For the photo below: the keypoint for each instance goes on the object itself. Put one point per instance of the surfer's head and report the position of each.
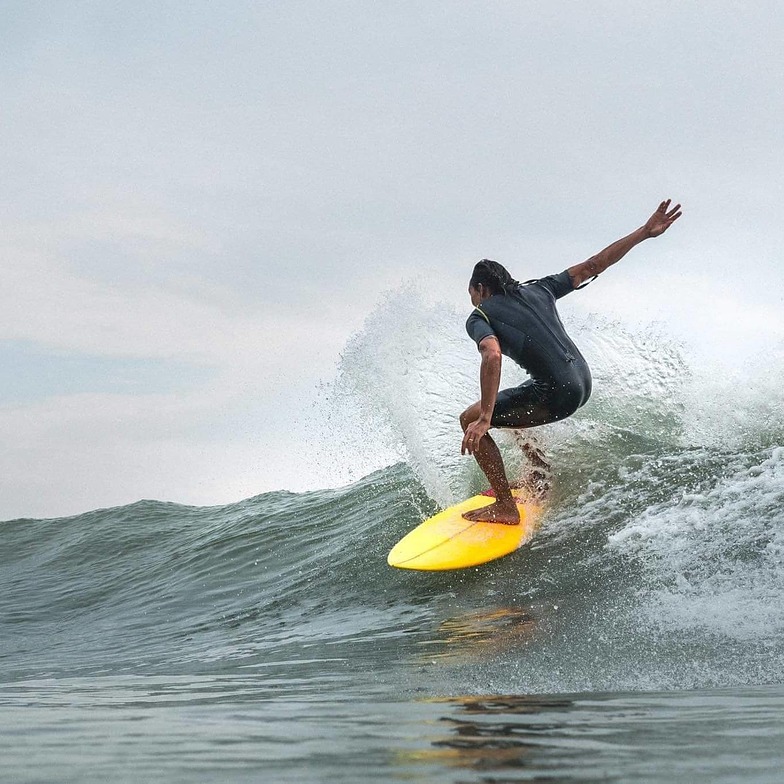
(488, 278)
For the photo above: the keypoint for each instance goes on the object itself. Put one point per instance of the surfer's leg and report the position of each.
(521, 408)
(487, 454)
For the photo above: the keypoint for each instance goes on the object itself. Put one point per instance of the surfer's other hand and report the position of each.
(474, 433)
(662, 219)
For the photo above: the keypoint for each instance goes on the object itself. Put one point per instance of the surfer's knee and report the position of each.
(471, 414)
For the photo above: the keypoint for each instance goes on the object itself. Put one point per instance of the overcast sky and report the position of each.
(204, 201)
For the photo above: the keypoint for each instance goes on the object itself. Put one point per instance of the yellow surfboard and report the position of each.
(449, 541)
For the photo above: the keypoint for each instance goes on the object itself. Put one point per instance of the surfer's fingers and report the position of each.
(468, 444)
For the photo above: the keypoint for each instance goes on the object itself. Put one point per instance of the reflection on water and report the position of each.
(478, 635)
(500, 733)
(732, 736)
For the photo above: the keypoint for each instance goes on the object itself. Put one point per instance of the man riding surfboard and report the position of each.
(521, 322)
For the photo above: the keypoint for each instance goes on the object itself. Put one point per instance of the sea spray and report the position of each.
(663, 535)
(404, 378)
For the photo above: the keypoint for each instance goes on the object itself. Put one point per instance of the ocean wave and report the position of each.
(658, 565)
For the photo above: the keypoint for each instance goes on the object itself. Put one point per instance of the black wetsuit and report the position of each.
(530, 332)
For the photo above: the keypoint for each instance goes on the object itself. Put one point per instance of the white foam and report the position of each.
(714, 560)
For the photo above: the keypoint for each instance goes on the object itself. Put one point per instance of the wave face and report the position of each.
(660, 563)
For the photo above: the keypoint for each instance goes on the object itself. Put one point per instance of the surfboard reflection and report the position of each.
(479, 634)
(496, 733)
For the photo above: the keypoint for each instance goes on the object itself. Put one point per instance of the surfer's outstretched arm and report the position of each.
(657, 224)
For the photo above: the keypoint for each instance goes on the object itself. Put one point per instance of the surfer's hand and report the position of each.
(473, 435)
(662, 219)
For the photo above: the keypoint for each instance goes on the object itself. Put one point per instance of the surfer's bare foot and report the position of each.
(496, 512)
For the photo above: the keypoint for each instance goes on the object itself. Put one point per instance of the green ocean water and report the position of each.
(269, 641)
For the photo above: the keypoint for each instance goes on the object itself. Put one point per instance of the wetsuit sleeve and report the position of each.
(558, 285)
(478, 327)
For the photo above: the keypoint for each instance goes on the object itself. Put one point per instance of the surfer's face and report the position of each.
(477, 295)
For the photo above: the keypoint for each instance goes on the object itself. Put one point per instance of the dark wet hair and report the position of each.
(492, 276)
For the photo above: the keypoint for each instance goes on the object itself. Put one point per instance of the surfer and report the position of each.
(521, 322)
